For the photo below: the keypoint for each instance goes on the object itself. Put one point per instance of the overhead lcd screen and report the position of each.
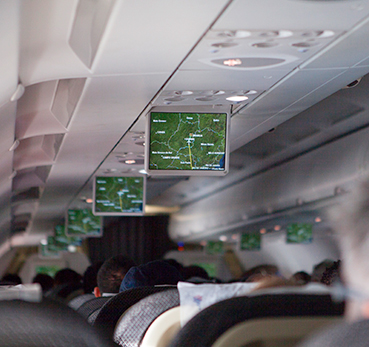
(119, 195)
(83, 223)
(187, 143)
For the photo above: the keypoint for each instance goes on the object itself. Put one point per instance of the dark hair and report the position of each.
(67, 275)
(12, 279)
(46, 281)
(112, 272)
(90, 277)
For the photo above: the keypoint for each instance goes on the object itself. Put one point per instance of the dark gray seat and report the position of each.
(78, 301)
(131, 328)
(214, 321)
(114, 308)
(90, 306)
(341, 335)
(45, 324)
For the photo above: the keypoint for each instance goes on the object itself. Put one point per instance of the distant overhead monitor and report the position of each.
(119, 196)
(83, 223)
(187, 143)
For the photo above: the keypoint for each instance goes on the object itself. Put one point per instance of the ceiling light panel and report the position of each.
(206, 97)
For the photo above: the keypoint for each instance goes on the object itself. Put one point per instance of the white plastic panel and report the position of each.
(44, 50)
(296, 14)
(7, 126)
(9, 42)
(348, 51)
(34, 116)
(36, 151)
(166, 29)
(88, 27)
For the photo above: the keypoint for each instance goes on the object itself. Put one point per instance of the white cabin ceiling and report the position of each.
(91, 69)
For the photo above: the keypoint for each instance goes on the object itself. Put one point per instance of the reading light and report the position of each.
(43, 242)
(223, 238)
(72, 248)
(232, 62)
(130, 161)
(89, 201)
(318, 220)
(277, 227)
(237, 98)
(263, 231)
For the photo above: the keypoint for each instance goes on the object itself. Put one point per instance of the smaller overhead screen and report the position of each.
(83, 223)
(187, 143)
(119, 196)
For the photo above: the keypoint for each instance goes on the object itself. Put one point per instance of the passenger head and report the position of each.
(300, 278)
(332, 274)
(46, 282)
(319, 269)
(111, 274)
(90, 277)
(65, 276)
(351, 223)
(195, 272)
(256, 273)
(13, 279)
(157, 272)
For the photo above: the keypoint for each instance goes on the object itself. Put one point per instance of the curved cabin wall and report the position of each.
(309, 178)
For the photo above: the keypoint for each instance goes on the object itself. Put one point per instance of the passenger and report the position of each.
(111, 274)
(256, 273)
(90, 278)
(11, 279)
(158, 272)
(195, 273)
(46, 282)
(66, 276)
(319, 269)
(332, 274)
(300, 278)
(273, 281)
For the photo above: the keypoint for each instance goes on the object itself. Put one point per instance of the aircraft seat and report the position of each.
(226, 317)
(131, 329)
(91, 306)
(110, 313)
(79, 300)
(163, 329)
(47, 323)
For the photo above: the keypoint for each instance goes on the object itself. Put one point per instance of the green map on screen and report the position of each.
(187, 141)
(119, 194)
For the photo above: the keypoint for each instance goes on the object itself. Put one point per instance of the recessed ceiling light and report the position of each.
(232, 62)
(174, 99)
(318, 220)
(251, 92)
(277, 227)
(183, 92)
(143, 171)
(89, 201)
(265, 44)
(43, 242)
(223, 238)
(130, 161)
(263, 231)
(237, 98)
(224, 44)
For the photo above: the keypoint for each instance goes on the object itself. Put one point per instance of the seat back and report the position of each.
(118, 304)
(78, 301)
(90, 306)
(273, 332)
(48, 323)
(163, 329)
(214, 321)
(131, 329)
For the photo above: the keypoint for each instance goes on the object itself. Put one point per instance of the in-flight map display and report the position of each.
(119, 195)
(190, 142)
(83, 223)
